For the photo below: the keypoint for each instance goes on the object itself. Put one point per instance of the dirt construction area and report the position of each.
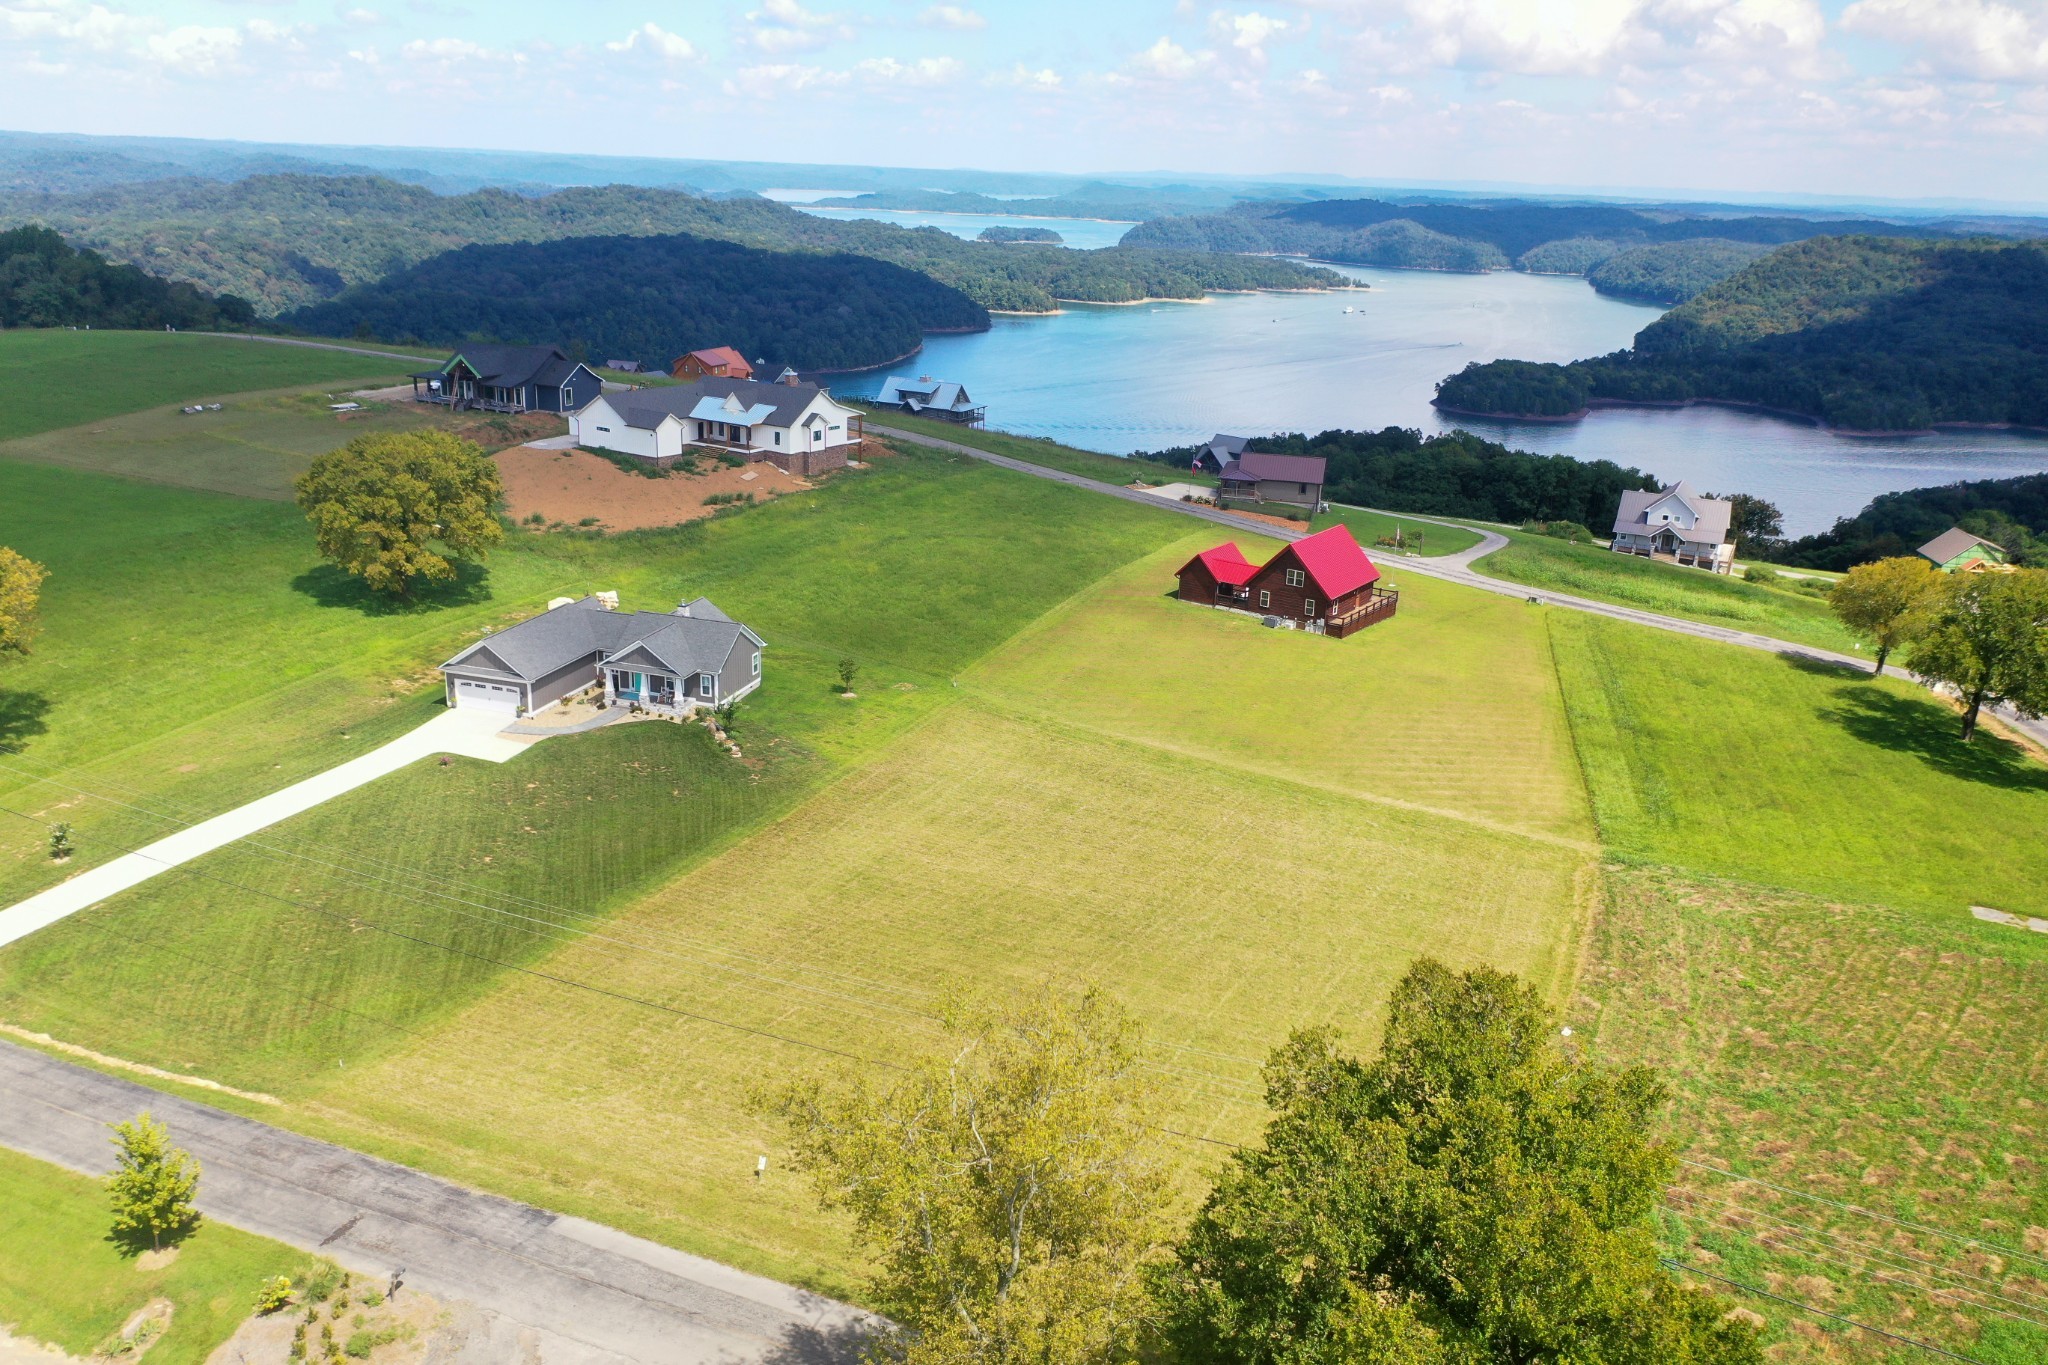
(569, 487)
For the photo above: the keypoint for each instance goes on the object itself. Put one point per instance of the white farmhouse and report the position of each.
(795, 426)
(1676, 523)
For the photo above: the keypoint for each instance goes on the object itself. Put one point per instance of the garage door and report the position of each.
(483, 696)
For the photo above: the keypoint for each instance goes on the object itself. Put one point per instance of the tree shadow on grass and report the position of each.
(331, 587)
(1932, 733)
(21, 719)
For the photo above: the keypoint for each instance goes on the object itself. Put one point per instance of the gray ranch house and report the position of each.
(509, 379)
(1676, 523)
(1252, 476)
(672, 662)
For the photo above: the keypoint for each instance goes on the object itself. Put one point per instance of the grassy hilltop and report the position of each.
(1752, 873)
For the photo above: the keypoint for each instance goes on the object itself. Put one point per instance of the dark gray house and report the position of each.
(509, 379)
(1220, 451)
(675, 662)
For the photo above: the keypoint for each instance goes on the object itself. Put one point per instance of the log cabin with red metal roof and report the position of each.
(1324, 583)
(713, 362)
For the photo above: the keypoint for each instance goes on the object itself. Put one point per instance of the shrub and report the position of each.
(273, 1294)
(1757, 573)
(1560, 530)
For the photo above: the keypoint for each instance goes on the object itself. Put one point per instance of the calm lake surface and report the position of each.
(1147, 376)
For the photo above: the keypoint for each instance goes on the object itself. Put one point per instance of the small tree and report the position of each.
(60, 841)
(1987, 637)
(1008, 1187)
(21, 588)
(1473, 1195)
(1885, 601)
(849, 669)
(152, 1184)
(395, 509)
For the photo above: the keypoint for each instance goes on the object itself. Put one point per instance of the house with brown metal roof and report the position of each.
(1253, 476)
(713, 362)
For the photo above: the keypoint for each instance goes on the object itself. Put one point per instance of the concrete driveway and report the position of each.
(473, 734)
(588, 1294)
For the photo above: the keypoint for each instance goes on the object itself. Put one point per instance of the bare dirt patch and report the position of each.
(567, 486)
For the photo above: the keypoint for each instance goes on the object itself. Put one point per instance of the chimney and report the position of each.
(682, 607)
(608, 600)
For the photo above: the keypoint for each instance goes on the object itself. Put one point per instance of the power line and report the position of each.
(1803, 1307)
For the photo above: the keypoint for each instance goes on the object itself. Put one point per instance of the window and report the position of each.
(1295, 578)
(1265, 598)
(1308, 606)
(757, 663)
(778, 438)
(704, 684)
(1301, 488)
(605, 429)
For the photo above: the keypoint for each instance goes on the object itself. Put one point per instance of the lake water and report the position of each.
(1142, 377)
(1081, 233)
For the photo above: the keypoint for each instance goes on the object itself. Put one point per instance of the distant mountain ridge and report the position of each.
(1860, 333)
(289, 241)
(1542, 238)
(652, 299)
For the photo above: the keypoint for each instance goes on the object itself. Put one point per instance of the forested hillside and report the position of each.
(1673, 272)
(1870, 333)
(2012, 513)
(652, 298)
(1544, 238)
(44, 282)
(287, 241)
(1454, 475)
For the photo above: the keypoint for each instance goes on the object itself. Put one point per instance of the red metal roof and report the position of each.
(1225, 563)
(1335, 561)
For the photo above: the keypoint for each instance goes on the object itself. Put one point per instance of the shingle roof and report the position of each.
(1225, 563)
(645, 408)
(944, 394)
(1953, 542)
(1710, 515)
(1334, 559)
(537, 646)
(1253, 464)
(510, 366)
(1228, 445)
(723, 355)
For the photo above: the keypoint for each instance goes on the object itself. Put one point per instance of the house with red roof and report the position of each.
(1325, 583)
(713, 362)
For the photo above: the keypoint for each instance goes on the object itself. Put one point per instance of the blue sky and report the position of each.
(1896, 98)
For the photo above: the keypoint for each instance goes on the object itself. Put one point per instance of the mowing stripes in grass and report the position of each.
(1738, 763)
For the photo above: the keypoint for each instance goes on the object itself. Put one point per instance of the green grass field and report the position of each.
(1451, 705)
(1845, 1054)
(1720, 600)
(1743, 764)
(1052, 766)
(136, 370)
(64, 1283)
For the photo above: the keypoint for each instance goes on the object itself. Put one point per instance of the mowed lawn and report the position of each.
(130, 371)
(1857, 1059)
(1451, 705)
(255, 446)
(1777, 610)
(63, 1283)
(985, 850)
(1743, 764)
(196, 652)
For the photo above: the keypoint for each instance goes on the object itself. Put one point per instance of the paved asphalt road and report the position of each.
(1454, 568)
(589, 1295)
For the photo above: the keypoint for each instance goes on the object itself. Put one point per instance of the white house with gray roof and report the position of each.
(798, 427)
(673, 662)
(1677, 523)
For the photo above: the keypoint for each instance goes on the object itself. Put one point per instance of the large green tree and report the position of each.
(1008, 1186)
(1987, 638)
(396, 509)
(21, 586)
(1886, 601)
(153, 1183)
(1473, 1195)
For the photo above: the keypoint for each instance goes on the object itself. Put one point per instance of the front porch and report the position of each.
(1714, 559)
(661, 692)
(1378, 605)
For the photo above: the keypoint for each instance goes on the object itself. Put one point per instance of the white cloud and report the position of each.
(658, 40)
(194, 49)
(954, 17)
(91, 26)
(1249, 32)
(363, 16)
(1977, 39)
(785, 26)
(1023, 77)
(924, 71)
(783, 76)
(1168, 60)
(451, 51)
